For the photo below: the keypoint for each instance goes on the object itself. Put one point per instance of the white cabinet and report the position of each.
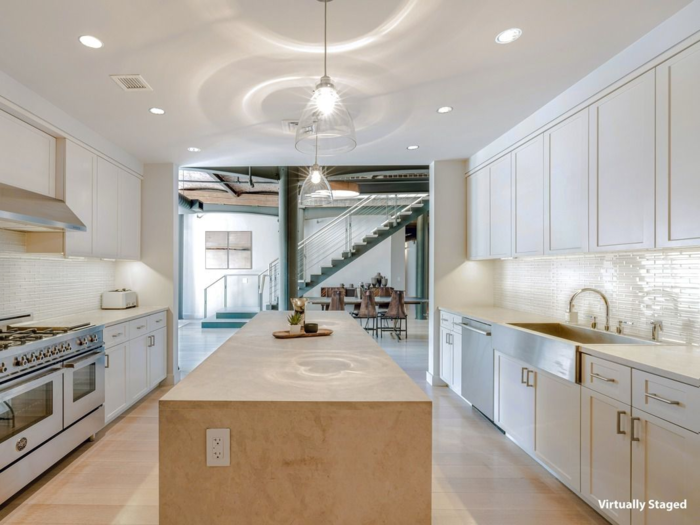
(446, 355)
(622, 172)
(157, 357)
(115, 381)
(80, 185)
(478, 215)
(665, 468)
(129, 217)
(557, 427)
(456, 384)
(677, 151)
(106, 240)
(528, 198)
(137, 368)
(28, 156)
(566, 186)
(605, 452)
(499, 208)
(514, 399)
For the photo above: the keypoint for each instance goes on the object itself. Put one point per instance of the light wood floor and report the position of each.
(479, 476)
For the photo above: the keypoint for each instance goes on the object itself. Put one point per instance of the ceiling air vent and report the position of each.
(131, 82)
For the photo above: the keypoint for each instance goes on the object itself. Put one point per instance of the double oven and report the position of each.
(48, 387)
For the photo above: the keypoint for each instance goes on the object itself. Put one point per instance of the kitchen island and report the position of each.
(325, 430)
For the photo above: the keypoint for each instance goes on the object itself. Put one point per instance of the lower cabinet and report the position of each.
(446, 355)
(115, 381)
(137, 368)
(605, 452)
(157, 358)
(456, 384)
(514, 399)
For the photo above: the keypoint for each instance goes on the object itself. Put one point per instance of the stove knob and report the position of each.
(93, 338)
(3, 368)
(54, 350)
(32, 357)
(20, 361)
(80, 342)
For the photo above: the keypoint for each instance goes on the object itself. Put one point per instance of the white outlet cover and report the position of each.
(218, 447)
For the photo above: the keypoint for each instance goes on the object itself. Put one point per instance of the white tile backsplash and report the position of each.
(641, 287)
(48, 285)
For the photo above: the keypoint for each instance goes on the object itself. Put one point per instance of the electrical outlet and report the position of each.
(218, 447)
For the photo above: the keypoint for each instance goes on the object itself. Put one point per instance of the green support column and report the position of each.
(422, 253)
(288, 228)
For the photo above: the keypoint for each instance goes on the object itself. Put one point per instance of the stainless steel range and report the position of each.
(52, 389)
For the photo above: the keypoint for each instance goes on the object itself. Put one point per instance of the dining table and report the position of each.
(379, 301)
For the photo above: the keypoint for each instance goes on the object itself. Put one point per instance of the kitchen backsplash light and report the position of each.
(48, 285)
(641, 287)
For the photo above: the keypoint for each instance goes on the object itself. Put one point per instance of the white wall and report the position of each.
(453, 281)
(398, 260)
(242, 295)
(155, 277)
(411, 273)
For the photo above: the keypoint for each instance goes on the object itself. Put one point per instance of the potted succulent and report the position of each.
(294, 323)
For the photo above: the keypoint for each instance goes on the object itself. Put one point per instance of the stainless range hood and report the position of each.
(24, 210)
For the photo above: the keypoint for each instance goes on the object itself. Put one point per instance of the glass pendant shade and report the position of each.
(316, 191)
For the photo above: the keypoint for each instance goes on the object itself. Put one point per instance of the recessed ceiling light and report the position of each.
(509, 35)
(193, 150)
(90, 41)
(157, 111)
(412, 147)
(445, 109)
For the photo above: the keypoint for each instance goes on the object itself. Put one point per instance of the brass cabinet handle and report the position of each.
(602, 378)
(528, 378)
(158, 320)
(141, 326)
(107, 362)
(663, 400)
(117, 335)
(619, 424)
(522, 378)
(633, 420)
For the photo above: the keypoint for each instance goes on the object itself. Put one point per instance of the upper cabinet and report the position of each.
(499, 208)
(80, 171)
(129, 217)
(478, 215)
(566, 186)
(107, 227)
(621, 170)
(678, 150)
(528, 198)
(28, 156)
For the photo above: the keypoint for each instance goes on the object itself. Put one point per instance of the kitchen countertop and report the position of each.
(99, 317)
(348, 366)
(673, 361)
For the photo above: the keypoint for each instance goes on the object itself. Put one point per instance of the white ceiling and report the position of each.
(229, 71)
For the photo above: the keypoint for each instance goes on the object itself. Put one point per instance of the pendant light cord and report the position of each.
(325, 39)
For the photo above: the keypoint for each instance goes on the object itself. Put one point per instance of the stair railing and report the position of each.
(261, 277)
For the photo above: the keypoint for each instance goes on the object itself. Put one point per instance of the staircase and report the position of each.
(349, 236)
(228, 317)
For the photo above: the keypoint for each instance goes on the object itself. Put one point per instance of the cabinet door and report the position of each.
(500, 202)
(622, 172)
(446, 355)
(28, 156)
(129, 217)
(557, 427)
(478, 215)
(157, 357)
(106, 240)
(665, 468)
(528, 198)
(137, 368)
(80, 194)
(677, 151)
(605, 452)
(515, 400)
(115, 381)
(456, 363)
(566, 186)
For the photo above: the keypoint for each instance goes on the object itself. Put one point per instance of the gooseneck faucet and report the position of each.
(602, 296)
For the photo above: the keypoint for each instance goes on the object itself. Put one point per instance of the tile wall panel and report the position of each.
(48, 285)
(641, 287)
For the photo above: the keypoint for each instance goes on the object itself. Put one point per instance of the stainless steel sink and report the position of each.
(581, 335)
(553, 347)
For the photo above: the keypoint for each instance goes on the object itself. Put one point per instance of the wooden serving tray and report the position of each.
(322, 332)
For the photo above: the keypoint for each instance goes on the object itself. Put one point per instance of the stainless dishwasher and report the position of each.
(477, 365)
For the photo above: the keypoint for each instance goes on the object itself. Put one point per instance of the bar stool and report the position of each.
(368, 311)
(397, 314)
(337, 301)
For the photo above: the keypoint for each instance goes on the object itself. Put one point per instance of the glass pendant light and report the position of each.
(316, 191)
(325, 118)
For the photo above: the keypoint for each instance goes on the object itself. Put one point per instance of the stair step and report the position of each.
(336, 262)
(213, 322)
(325, 270)
(232, 314)
(405, 213)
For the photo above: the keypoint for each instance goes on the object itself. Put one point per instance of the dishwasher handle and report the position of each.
(480, 332)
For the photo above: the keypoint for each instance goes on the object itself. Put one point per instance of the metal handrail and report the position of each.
(335, 221)
(261, 286)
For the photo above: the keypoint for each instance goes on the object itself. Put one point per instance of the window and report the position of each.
(228, 250)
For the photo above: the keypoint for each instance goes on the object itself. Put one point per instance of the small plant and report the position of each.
(294, 319)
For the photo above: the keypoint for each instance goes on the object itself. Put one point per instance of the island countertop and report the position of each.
(347, 366)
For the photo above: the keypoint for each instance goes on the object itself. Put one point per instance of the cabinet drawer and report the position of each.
(606, 377)
(116, 334)
(157, 321)
(446, 320)
(138, 327)
(668, 399)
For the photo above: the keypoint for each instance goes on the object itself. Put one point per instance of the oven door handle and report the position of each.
(29, 381)
(84, 361)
